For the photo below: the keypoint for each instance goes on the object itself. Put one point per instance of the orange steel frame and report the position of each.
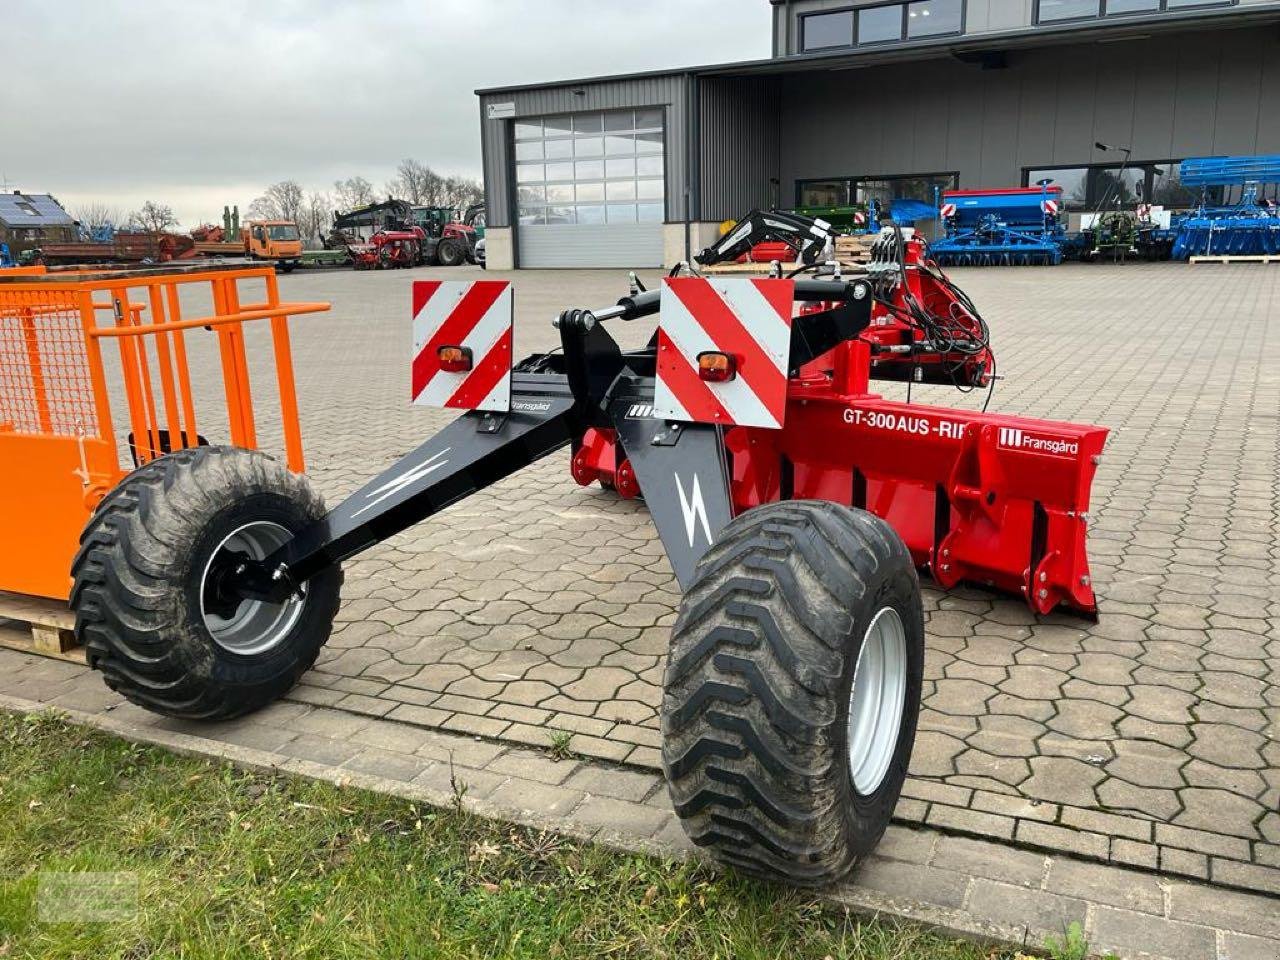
(54, 472)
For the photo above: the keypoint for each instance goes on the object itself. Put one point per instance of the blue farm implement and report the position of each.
(1013, 227)
(1248, 227)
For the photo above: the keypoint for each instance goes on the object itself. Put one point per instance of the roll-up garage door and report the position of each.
(591, 189)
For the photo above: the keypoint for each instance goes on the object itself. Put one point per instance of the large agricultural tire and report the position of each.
(148, 609)
(766, 769)
(449, 253)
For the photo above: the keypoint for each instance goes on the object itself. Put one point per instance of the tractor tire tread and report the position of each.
(753, 685)
(132, 568)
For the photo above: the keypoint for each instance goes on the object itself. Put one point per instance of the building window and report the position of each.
(824, 193)
(1097, 186)
(1051, 11)
(1131, 6)
(591, 168)
(822, 30)
(1074, 182)
(1054, 11)
(843, 191)
(933, 18)
(880, 24)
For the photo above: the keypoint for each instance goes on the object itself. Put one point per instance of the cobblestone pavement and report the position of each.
(968, 886)
(1148, 739)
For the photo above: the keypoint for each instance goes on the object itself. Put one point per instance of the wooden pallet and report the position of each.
(37, 625)
(757, 269)
(1242, 258)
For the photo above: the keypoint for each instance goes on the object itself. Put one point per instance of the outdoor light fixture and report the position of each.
(454, 359)
(716, 367)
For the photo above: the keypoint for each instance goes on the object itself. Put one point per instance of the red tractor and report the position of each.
(796, 508)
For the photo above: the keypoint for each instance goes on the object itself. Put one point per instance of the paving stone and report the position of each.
(1227, 746)
(324, 722)
(1102, 884)
(1129, 933)
(1184, 863)
(1135, 854)
(994, 861)
(319, 696)
(904, 843)
(449, 778)
(256, 736)
(540, 798)
(1016, 906)
(533, 765)
(1020, 808)
(420, 716)
(319, 749)
(1107, 823)
(1243, 912)
(970, 821)
(1085, 719)
(934, 754)
(944, 888)
(620, 816)
(371, 706)
(1236, 946)
(1118, 796)
(609, 782)
(1062, 780)
(1255, 876)
(385, 763)
(1060, 838)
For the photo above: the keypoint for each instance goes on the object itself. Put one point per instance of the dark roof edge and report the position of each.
(1039, 35)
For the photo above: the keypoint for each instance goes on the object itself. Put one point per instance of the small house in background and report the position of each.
(30, 220)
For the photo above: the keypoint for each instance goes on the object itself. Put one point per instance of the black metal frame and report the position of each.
(555, 398)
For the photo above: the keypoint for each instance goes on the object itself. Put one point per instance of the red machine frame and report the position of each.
(977, 497)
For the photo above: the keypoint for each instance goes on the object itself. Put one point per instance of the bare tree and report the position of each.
(281, 201)
(154, 217)
(94, 216)
(461, 192)
(352, 192)
(315, 215)
(415, 182)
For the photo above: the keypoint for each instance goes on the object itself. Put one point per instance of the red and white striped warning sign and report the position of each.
(749, 321)
(474, 317)
(1050, 207)
(948, 210)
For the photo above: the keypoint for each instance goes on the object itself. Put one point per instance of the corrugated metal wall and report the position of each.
(739, 123)
(1172, 96)
(665, 90)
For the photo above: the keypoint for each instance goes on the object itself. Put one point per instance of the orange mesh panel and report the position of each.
(45, 387)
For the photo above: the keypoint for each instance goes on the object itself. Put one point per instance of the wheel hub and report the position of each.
(876, 701)
(237, 623)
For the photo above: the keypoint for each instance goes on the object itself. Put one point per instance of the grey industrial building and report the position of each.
(867, 98)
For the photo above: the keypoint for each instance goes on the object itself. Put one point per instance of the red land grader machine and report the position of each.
(795, 505)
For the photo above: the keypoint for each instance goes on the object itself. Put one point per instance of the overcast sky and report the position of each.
(201, 104)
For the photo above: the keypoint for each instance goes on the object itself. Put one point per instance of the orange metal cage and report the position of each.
(60, 450)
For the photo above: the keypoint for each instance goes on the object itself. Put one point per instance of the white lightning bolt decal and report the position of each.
(693, 509)
(396, 484)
